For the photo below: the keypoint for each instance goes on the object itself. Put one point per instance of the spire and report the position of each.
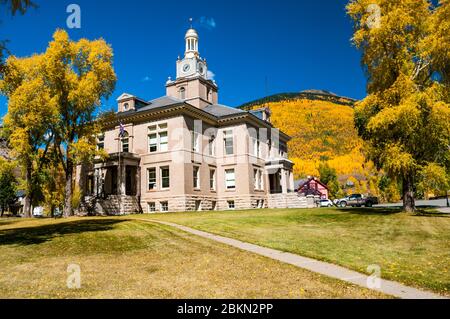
(191, 38)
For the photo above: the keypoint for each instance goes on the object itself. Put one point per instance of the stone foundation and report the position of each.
(126, 205)
(112, 205)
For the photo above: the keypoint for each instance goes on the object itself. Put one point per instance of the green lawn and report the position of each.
(411, 249)
(125, 258)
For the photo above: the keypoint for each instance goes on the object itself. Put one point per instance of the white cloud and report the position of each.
(207, 23)
(146, 78)
(210, 75)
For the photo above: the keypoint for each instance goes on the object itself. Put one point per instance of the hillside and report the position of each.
(322, 130)
(312, 95)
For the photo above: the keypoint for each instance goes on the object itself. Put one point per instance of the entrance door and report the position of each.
(274, 183)
(130, 180)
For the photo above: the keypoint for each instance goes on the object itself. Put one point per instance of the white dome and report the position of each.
(191, 33)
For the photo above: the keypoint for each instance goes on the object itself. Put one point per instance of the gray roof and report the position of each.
(160, 102)
(219, 110)
(299, 182)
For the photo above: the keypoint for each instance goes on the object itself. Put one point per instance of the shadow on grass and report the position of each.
(44, 233)
(8, 221)
(424, 213)
(370, 211)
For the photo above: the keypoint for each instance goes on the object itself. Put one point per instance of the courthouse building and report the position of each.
(186, 152)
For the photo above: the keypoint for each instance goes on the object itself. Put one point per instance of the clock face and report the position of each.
(201, 69)
(186, 67)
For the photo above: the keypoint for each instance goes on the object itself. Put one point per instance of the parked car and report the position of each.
(357, 200)
(38, 212)
(325, 203)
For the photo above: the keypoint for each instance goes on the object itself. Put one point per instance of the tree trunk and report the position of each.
(409, 204)
(28, 195)
(68, 211)
(3, 210)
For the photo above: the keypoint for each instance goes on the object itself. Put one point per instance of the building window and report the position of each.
(152, 142)
(163, 141)
(151, 207)
(126, 107)
(258, 179)
(182, 93)
(211, 145)
(101, 142)
(256, 146)
(283, 149)
(231, 204)
(230, 180)
(195, 138)
(228, 142)
(261, 203)
(164, 206)
(158, 138)
(151, 172)
(165, 177)
(212, 179)
(196, 176)
(198, 205)
(125, 142)
(213, 205)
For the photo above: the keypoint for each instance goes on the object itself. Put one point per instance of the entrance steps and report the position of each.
(287, 200)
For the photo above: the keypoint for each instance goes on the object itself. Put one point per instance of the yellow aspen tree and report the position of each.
(31, 112)
(79, 74)
(405, 118)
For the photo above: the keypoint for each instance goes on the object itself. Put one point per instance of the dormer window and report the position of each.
(126, 106)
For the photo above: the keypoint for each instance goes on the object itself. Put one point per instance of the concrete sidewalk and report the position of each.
(386, 286)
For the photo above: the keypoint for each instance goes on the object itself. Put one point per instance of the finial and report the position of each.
(190, 21)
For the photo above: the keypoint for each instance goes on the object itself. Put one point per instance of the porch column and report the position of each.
(121, 179)
(96, 177)
(283, 181)
(138, 181)
(291, 181)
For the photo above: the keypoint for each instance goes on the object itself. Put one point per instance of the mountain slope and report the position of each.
(322, 130)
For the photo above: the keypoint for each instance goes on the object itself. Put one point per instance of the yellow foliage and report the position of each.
(322, 131)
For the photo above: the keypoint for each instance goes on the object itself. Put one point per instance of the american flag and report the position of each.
(122, 129)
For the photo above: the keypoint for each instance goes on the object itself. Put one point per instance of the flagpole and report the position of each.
(119, 178)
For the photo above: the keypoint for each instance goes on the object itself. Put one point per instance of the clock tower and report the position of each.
(192, 84)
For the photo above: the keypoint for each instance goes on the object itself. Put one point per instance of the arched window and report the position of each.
(182, 93)
(125, 142)
(126, 106)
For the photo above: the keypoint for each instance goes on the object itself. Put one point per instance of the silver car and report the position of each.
(325, 203)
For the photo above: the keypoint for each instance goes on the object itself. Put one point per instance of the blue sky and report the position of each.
(295, 44)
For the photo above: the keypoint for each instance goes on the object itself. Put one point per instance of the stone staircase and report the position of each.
(289, 200)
